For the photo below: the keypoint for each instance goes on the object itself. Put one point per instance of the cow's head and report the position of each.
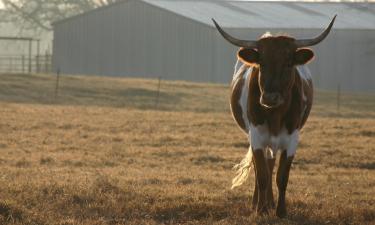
(276, 56)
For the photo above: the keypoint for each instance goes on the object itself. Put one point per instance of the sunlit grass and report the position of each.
(103, 152)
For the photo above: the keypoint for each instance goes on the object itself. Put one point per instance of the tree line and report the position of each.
(38, 15)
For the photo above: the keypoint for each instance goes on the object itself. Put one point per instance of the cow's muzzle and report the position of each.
(271, 100)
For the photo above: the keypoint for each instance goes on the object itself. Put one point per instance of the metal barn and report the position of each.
(176, 40)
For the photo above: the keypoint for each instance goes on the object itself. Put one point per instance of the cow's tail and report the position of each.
(243, 169)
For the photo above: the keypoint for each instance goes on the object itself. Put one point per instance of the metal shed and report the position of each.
(176, 40)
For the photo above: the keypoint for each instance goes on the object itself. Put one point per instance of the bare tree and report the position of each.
(37, 15)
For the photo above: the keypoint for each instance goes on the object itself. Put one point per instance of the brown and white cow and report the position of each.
(271, 98)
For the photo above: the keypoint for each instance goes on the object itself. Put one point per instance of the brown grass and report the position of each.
(103, 154)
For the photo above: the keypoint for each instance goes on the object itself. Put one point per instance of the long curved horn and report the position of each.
(316, 40)
(235, 41)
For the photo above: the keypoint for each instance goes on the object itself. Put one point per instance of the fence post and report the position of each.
(57, 83)
(23, 63)
(158, 93)
(46, 62)
(38, 56)
(37, 64)
(30, 49)
(338, 98)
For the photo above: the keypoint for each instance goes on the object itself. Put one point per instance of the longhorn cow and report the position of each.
(271, 98)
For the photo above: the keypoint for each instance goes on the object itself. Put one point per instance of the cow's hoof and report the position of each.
(262, 210)
(281, 212)
(271, 204)
(254, 205)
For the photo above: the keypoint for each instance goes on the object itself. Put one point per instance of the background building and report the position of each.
(175, 39)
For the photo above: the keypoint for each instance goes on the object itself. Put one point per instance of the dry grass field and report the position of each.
(103, 153)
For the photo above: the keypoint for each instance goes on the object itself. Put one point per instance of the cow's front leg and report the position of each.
(282, 182)
(271, 165)
(262, 177)
(270, 199)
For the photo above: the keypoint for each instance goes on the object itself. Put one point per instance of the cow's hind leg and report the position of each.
(271, 165)
(262, 180)
(282, 182)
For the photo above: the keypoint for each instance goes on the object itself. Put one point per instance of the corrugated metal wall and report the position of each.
(136, 39)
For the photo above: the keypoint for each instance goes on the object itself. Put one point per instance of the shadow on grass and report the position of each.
(113, 202)
(356, 165)
(108, 92)
(138, 98)
(10, 212)
(228, 212)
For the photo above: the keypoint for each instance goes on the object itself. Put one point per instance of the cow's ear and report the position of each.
(248, 56)
(303, 56)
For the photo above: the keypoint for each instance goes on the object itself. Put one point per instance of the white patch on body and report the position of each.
(238, 68)
(261, 138)
(241, 69)
(244, 97)
(304, 72)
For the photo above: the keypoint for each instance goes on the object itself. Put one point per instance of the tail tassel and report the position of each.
(242, 170)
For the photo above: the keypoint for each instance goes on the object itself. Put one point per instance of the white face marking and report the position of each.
(260, 138)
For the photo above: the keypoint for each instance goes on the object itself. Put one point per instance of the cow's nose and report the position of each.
(272, 97)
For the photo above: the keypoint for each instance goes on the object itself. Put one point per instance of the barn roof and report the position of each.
(273, 14)
(266, 14)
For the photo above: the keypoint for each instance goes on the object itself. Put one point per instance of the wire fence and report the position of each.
(25, 64)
